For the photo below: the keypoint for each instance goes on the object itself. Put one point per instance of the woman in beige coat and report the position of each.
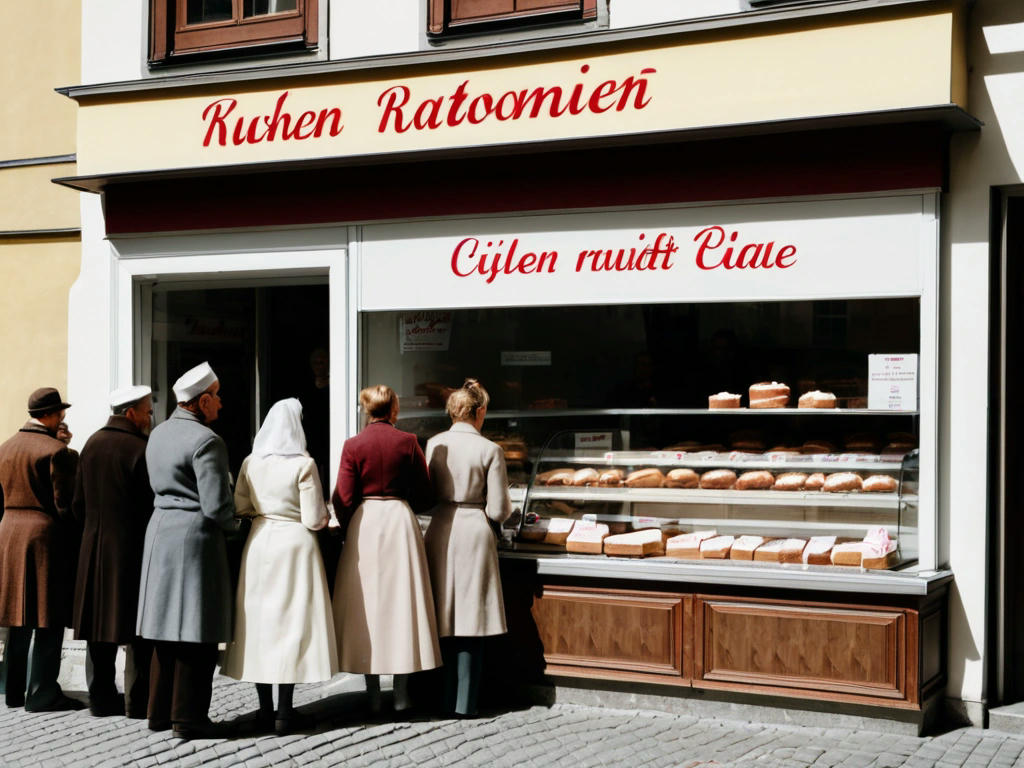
(468, 475)
(284, 627)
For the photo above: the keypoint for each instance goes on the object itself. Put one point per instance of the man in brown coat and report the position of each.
(113, 502)
(38, 545)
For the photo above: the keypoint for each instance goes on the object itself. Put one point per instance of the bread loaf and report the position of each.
(744, 546)
(843, 481)
(558, 530)
(587, 537)
(561, 476)
(815, 481)
(588, 476)
(817, 446)
(783, 449)
(769, 551)
(635, 543)
(682, 478)
(819, 550)
(718, 479)
(756, 480)
(792, 550)
(790, 481)
(724, 400)
(645, 478)
(611, 478)
(716, 548)
(898, 449)
(687, 545)
(879, 484)
(769, 395)
(861, 442)
(817, 399)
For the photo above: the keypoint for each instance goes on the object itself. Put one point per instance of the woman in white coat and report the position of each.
(284, 627)
(468, 474)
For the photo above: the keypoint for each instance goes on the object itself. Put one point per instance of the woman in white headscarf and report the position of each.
(284, 627)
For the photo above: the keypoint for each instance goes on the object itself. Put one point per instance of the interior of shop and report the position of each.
(264, 342)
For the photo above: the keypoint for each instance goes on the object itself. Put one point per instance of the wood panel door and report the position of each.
(822, 651)
(614, 633)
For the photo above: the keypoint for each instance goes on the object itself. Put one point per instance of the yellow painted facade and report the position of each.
(40, 49)
(871, 63)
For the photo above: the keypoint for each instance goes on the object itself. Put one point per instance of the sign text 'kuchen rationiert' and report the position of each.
(401, 109)
(715, 248)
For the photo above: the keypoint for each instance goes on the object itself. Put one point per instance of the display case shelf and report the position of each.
(728, 497)
(733, 460)
(540, 413)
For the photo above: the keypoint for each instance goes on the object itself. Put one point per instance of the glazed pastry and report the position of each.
(611, 478)
(817, 399)
(645, 478)
(815, 481)
(879, 484)
(718, 479)
(724, 400)
(843, 481)
(769, 395)
(561, 476)
(756, 480)
(682, 478)
(790, 481)
(588, 476)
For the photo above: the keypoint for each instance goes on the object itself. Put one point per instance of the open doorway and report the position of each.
(264, 342)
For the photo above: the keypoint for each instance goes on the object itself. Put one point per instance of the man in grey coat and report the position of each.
(185, 603)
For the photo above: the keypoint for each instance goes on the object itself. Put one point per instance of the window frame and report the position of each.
(171, 40)
(440, 22)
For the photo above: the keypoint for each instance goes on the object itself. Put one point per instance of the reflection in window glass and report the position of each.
(264, 7)
(205, 11)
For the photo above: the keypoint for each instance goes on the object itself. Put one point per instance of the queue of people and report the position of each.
(126, 544)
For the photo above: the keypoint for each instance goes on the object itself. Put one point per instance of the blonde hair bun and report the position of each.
(464, 403)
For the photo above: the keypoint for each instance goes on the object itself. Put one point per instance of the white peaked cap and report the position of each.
(126, 395)
(194, 382)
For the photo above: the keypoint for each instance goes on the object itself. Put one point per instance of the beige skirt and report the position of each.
(463, 559)
(383, 607)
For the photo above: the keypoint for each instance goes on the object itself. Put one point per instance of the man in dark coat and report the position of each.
(38, 545)
(113, 502)
(185, 596)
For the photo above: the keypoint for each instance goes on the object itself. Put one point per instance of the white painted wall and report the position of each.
(357, 28)
(114, 41)
(978, 161)
(635, 13)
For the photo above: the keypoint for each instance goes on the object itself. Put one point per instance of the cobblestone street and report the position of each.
(561, 735)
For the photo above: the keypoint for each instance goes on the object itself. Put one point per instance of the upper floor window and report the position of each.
(187, 28)
(470, 15)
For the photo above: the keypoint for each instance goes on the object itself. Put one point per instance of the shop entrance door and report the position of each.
(265, 342)
(1008, 455)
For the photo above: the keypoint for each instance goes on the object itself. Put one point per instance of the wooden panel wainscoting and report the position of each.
(615, 633)
(835, 652)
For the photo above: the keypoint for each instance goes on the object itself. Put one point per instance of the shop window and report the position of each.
(451, 16)
(188, 29)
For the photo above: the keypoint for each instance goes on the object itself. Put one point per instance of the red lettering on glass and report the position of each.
(468, 258)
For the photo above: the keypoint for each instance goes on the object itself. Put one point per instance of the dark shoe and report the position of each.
(136, 715)
(204, 730)
(108, 707)
(292, 722)
(159, 725)
(61, 704)
(256, 725)
(15, 701)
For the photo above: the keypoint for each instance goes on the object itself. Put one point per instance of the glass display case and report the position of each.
(697, 502)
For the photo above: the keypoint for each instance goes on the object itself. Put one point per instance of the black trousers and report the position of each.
(463, 667)
(32, 681)
(99, 674)
(181, 682)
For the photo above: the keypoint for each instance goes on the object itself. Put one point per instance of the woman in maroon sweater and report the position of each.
(383, 605)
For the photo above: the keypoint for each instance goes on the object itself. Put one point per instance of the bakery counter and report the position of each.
(725, 496)
(540, 413)
(907, 581)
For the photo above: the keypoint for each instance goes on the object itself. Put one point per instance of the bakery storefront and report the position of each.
(710, 334)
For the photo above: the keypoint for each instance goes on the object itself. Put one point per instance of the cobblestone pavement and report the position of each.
(561, 735)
